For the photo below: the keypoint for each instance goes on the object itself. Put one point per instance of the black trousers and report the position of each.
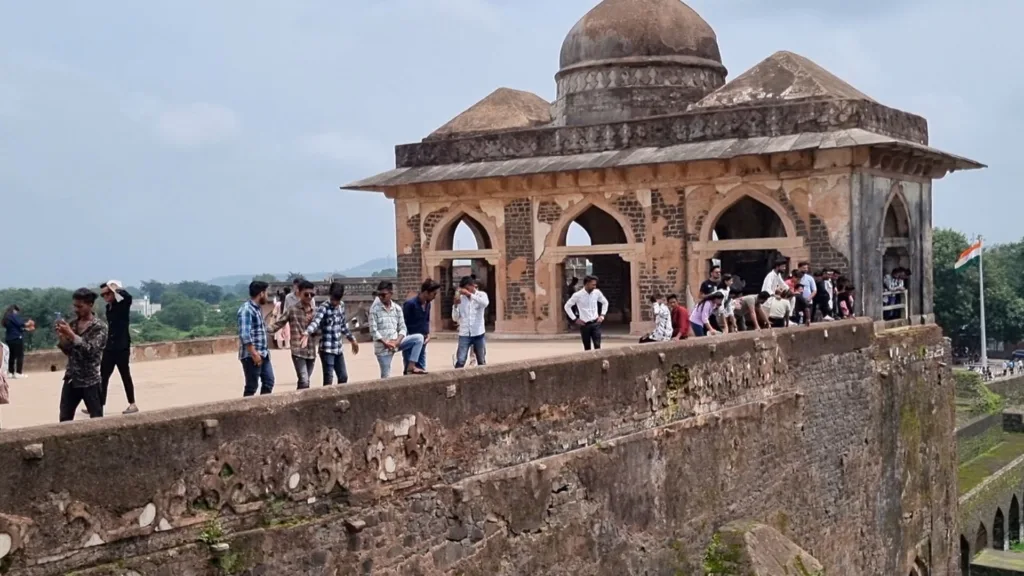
(121, 360)
(71, 396)
(591, 335)
(17, 359)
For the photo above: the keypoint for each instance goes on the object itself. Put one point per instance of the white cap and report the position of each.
(114, 286)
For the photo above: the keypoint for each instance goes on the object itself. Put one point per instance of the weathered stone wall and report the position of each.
(977, 508)
(616, 462)
(55, 360)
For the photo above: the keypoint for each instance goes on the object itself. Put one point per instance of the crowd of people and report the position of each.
(786, 298)
(322, 331)
(96, 348)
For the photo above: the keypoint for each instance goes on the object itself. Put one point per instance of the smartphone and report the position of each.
(57, 318)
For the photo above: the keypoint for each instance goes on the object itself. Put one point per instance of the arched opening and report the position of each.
(595, 227)
(897, 219)
(896, 259)
(1014, 521)
(981, 540)
(998, 541)
(965, 556)
(465, 234)
(747, 219)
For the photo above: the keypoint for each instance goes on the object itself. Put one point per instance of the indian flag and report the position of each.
(972, 252)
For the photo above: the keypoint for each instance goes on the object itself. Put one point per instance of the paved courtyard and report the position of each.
(164, 384)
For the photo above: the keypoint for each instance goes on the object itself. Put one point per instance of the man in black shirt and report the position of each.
(118, 350)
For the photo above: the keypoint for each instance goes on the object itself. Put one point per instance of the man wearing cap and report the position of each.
(118, 350)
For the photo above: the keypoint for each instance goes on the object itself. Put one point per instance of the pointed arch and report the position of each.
(482, 227)
(920, 568)
(1014, 520)
(965, 556)
(599, 209)
(896, 217)
(998, 524)
(735, 196)
(981, 539)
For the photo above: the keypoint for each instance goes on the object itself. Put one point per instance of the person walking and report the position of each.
(82, 341)
(15, 328)
(591, 306)
(332, 322)
(389, 333)
(118, 351)
(253, 352)
(472, 306)
(297, 318)
(416, 312)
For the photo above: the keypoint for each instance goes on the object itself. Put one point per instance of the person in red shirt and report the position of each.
(680, 318)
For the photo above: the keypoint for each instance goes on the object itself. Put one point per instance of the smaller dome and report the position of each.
(503, 109)
(651, 29)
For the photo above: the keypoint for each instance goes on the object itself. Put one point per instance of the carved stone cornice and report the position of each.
(663, 131)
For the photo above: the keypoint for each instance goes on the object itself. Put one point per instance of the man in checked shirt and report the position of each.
(331, 321)
(389, 333)
(298, 316)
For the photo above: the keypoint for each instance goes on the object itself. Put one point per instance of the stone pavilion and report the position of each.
(667, 167)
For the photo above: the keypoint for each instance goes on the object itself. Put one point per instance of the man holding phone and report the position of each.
(82, 341)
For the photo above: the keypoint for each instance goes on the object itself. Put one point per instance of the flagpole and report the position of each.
(981, 300)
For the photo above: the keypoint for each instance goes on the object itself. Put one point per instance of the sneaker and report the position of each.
(21, 376)
(131, 409)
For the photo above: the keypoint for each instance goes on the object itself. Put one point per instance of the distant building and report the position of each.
(145, 307)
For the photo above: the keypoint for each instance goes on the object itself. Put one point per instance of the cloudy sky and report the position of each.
(193, 139)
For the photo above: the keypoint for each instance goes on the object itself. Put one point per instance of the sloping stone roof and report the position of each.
(782, 77)
(617, 29)
(503, 109)
(721, 149)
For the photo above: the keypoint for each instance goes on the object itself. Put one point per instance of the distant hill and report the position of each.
(365, 269)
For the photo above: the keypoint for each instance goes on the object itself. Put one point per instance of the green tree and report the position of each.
(155, 290)
(183, 314)
(199, 291)
(385, 273)
(954, 291)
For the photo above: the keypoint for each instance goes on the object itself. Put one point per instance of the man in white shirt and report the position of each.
(472, 305)
(592, 306)
(775, 281)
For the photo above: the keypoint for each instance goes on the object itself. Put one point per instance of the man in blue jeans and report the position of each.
(332, 322)
(252, 335)
(389, 333)
(472, 307)
(416, 312)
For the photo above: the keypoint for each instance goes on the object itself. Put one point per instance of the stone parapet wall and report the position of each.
(55, 360)
(614, 462)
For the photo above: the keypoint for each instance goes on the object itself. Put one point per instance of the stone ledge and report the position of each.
(54, 360)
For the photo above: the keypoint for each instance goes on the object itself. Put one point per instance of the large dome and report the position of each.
(659, 29)
(631, 59)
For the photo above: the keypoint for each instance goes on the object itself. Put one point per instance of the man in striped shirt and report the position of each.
(252, 335)
(389, 333)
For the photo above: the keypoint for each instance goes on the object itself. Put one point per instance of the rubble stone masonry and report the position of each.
(615, 462)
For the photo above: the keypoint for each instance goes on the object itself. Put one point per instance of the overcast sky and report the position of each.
(192, 139)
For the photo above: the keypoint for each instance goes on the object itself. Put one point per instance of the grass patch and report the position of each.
(974, 472)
